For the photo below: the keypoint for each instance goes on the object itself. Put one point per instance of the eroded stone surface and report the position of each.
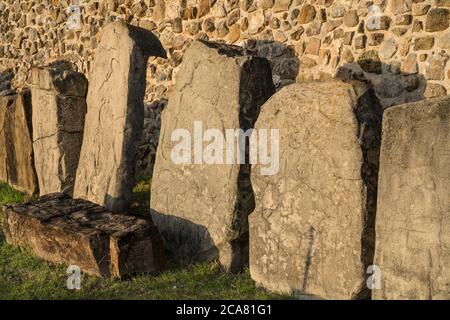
(59, 106)
(77, 232)
(201, 209)
(312, 230)
(413, 226)
(16, 145)
(114, 121)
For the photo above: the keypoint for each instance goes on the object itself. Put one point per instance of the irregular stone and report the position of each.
(412, 226)
(234, 33)
(255, 22)
(444, 41)
(219, 10)
(417, 26)
(434, 90)
(233, 17)
(203, 8)
(403, 20)
(370, 62)
(376, 38)
(286, 68)
(400, 6)
(203, 216)
(437, 20)
(296, 35)
(404, 46)
(313, 46)
(5, 82)
(332, 24)
(388, 49)
(78, 232)
(389, 87)
(16, 145)
(306, 63)
(177, 25)
(307, 14)
(423, 43)
(360, 42)
(314, 219)
(398, 31)
(105, 173)
(410, 66)
(379, 23)
(59, 106)
(337, 10)
(351, 19)
(281, 5)
(265, 4)
(443, 3)
(347, 55)
(436, 66)
(348, 38)
(420, 9)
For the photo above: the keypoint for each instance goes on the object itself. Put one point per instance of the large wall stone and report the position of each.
(201, 209)
(115, 116)
(413, 219)
(16, 145)
(59, 106)
(77, 232)
(312, 230)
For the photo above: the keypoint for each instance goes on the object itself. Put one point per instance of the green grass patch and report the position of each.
(24, 276)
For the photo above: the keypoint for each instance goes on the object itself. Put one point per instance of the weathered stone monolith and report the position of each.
(59, 106)
(201, 202)
(413, 218)
(78, 232)
(311, 233)
(16, 145)
(115, 115)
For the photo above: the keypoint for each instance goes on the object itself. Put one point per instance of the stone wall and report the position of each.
(401, 46)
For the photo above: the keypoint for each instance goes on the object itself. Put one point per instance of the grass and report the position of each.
(24, 276)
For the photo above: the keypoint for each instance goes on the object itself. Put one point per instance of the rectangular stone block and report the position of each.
(413, 218)
(16, 145)
(77, 232)
(114, 121)
(201, 203)
(59, 106)
(312, 231)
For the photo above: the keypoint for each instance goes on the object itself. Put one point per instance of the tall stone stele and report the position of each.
(413, 219)
(199, 201)
(59, 105)
(16, 145)
(311, 233)
(115, 115)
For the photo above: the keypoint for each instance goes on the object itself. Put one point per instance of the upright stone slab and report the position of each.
(78, 232)
(115, 115)
(16, 145)
(59, 106)
(413, 219)
(311, 233)
(201, 209)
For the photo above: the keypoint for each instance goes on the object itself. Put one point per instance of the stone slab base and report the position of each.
(78, 232)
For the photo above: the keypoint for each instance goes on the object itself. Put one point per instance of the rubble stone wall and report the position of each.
(402, 47)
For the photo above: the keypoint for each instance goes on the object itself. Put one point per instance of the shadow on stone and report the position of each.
(146, 153)
(283, 60)
(391, 85)
(192, 240)
(399, 88)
